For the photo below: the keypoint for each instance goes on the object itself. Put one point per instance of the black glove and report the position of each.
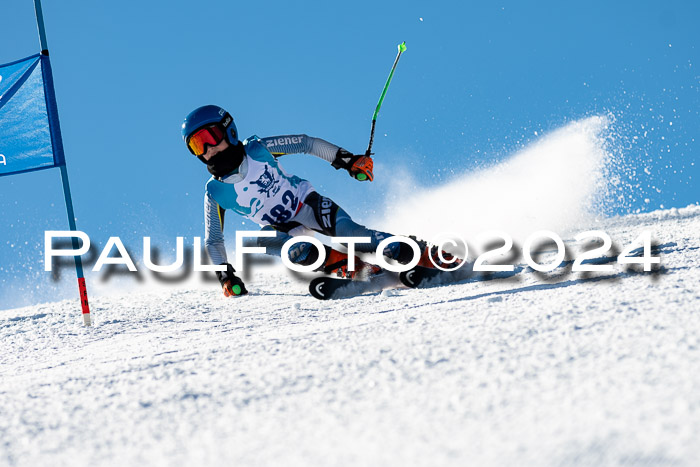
(231, 284)
(358, 166)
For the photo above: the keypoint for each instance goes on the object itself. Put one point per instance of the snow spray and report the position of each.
(553, 184)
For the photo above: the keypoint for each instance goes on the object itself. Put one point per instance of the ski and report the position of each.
(331, 288)
(421, 277)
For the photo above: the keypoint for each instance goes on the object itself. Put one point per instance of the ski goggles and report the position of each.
(208, 136)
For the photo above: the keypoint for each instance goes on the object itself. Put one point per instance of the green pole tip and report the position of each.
(361, 177)
(402, 46)
(237, 289)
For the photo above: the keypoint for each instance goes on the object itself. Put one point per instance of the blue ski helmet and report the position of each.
(207, 115)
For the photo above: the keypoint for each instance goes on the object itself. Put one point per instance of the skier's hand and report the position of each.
(362, 168)
(232, 285)
(235, 288)
(359, 167)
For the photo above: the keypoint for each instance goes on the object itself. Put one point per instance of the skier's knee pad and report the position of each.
(305, 253)
(404, 252)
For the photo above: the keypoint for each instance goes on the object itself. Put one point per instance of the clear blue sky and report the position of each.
(474, 85)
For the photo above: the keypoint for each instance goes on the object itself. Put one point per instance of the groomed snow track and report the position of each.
(575, 371)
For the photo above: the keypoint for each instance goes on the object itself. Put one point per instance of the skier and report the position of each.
(248, 179)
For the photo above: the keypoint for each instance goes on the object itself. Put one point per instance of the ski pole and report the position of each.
(402, 48)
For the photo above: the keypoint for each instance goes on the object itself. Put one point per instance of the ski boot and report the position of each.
(337, 264)
(429, 256)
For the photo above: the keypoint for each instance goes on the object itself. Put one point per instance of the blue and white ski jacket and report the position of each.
(259, 189)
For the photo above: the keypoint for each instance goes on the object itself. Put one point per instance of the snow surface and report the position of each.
(575, 370)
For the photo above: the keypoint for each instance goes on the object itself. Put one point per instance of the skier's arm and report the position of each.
(214, 243)
(301, 144)
(356, 165)
(214, 230)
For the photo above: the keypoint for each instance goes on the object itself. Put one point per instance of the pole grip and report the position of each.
(368, 153)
